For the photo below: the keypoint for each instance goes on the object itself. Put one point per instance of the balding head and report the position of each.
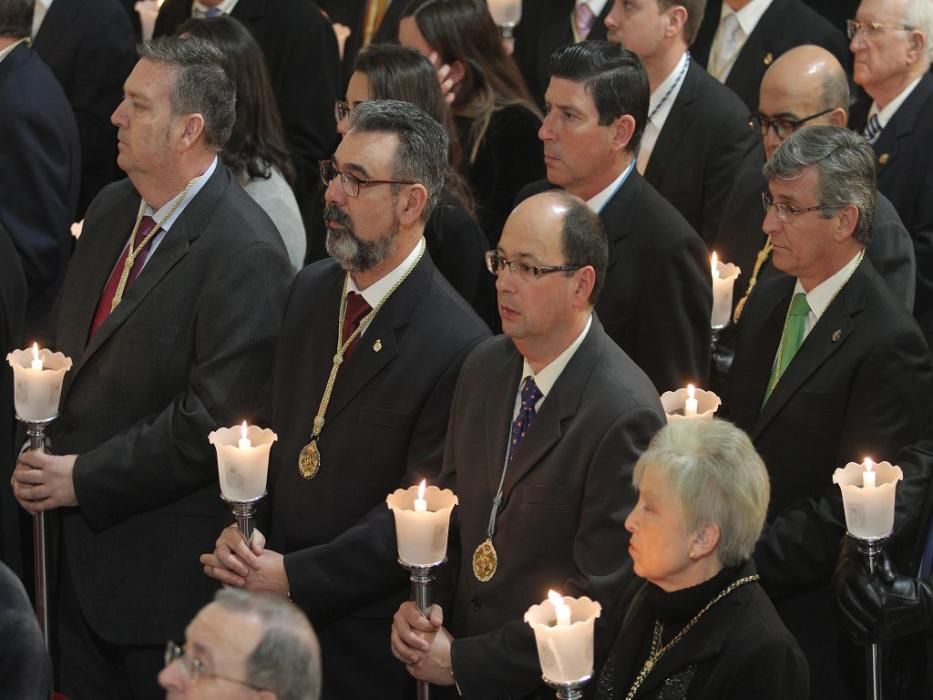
(808, 83)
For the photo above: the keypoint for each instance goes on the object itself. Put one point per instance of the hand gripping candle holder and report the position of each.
(422, 519)
(565, 643)
(675, 406)
(243, 466)
(37, 389)
(869, 511)
(506, 14)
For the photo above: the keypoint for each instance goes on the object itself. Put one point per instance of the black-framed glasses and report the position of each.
(783, 126)
(495, 263)
(195, 669)
(351, 184)
(871, 30)
(785, 212)
(342, 110)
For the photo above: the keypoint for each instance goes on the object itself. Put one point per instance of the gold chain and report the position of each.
(657, 651)
(342, 346)
(132, 253)
(753, 280)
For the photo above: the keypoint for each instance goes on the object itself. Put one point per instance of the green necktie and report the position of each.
(791, 338)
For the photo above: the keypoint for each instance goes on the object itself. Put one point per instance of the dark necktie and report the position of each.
(146, 224)
(531, 394)
(357, 308)
(872, 129)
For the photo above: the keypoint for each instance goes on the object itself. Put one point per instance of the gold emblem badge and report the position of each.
(769, 59)
(485, 561)
(309, 460)
(883, 158)
(377, 346)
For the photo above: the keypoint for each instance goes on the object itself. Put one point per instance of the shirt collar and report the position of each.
(596, 6)
(885, 115)
(749, 15)
(549, 374)
(820, 297)
(373, 293)
(196, 187)
(200, 10)
(598, 201)
(9, 49)
(659, 117)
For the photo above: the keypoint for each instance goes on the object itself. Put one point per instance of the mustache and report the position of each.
(334, 214)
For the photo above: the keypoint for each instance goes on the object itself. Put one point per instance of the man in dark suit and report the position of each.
(658, 289)
(332, 542)
(162, 355)
(738, 51)
(89, 46)
(300, 49)
(546, 426)
(805, 87)
(40, 163)
(697, 130)
(829, 368)
(548, 25)
(892, 65)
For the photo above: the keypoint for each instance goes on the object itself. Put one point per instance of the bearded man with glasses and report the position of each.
(829, 367)
(891, 45)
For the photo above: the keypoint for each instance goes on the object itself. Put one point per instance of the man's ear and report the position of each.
(848, 222)
(411, 204)
(623, 130)
(193, 128)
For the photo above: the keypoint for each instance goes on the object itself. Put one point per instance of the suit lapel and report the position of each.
(615, 215)
(901, 126)
(753, 56)
(675, 127)
(500, 403)
(828, 335)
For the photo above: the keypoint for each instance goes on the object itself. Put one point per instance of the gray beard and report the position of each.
(352, 253)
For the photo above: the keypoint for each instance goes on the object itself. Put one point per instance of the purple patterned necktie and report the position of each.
(531, 394)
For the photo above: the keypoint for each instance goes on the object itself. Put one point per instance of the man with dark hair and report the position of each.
(829, 367)
(248, 642)
(694, 173)
(739, 39)
(546, 426)
(658, 294)
(355, 425)
(40, 163)
(170, 310)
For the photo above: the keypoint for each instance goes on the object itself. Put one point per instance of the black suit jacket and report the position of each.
(905, 176)
(25, 671)
(384, 429)
(300, 49)
(566, 495)
(544, 27)
(40, 164)
(740, 237)
(188, 350)
(89, 46)
(658, 296)
(352, 14)
(859, 385)
(703, 142)
(784, 25)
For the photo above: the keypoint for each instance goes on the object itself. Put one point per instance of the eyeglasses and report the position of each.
(351, 184)
(871, 30)
(785, 212)
(495, 263)
(195, 669)
(782, 126)
(342, 110)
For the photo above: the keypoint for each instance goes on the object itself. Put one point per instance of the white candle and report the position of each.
(724, 276)
(565, 649)
(421, 528)
(868, 476)
(37, 382)
(242, 460)
(690, 405)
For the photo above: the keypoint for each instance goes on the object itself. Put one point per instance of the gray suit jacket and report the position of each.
(188, 350)
(566, 495)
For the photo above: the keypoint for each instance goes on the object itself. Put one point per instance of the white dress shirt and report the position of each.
(40, 9)
(658, 111)
(885, 115)
(373, 293)
(199, 9)
(598, 201)
(822, 295)
(721, 65)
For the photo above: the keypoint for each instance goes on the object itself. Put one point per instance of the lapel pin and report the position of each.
(837, 334)
(377, 346)
(883, 158)
(769, 59)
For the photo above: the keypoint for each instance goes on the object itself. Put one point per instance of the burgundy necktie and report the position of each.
(146, 224)
(357, 308)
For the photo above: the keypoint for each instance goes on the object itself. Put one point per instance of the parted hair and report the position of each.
(201, 84)
(718, 478)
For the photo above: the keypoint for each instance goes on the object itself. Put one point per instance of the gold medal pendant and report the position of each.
(309, 460)
(485, 561)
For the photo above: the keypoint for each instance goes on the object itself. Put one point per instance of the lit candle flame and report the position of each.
(421, 488)
(243, 430)
(868, 464)
(244, 442)
(36, 360)
(714, 265)
(561, 609)
(421, 505)
(691, 391)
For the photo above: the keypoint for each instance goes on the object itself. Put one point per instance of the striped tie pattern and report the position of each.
(872, 129)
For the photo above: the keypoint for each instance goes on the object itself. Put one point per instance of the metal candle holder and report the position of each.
(245, 514)
(572, 690)
(871, 549)
(421, 578)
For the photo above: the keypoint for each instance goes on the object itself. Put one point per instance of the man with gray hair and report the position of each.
(170, 309)
(355, 426)
(829, 368)
(246, 643)
(892, 43)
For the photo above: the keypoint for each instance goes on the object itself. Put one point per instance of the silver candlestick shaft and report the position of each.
(872, 549)
(245, 514)
(421, 578)
(35, 430)
(572, 690)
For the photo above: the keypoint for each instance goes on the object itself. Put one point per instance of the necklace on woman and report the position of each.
(657, 651)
